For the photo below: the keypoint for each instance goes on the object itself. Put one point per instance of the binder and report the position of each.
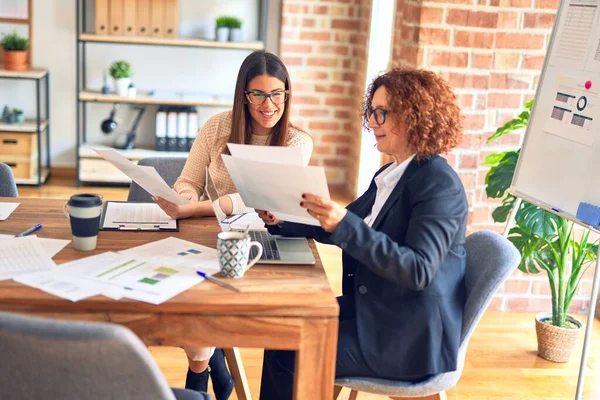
(161, 129)
(157, 15)
(171, 18)
(143, 18)
(101, 17)
(136, 225)
(115, 17)
(172, 129)
(129, 17)
(192, 128)
(182, 122)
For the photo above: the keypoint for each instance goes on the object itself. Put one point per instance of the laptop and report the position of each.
(276, 249)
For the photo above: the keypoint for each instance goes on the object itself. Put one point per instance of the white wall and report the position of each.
(196, 70)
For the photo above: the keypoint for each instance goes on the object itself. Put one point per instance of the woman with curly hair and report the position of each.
(403, 241)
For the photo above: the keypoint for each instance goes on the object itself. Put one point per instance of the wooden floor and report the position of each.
(501, 361)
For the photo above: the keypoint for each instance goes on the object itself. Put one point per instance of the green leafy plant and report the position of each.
(545, 240)
(120, 69)
(227, 21)
(14, 42)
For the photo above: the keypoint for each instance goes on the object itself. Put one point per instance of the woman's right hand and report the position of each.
(176, 211)
(268, 218)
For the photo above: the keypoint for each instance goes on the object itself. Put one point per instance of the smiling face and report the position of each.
(391, 136)
(266, 115)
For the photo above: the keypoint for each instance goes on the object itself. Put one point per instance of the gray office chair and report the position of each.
(169, 168)
(50, 359)
(8, 187)
(491, 259)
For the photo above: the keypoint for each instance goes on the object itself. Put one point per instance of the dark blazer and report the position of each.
(406, 273)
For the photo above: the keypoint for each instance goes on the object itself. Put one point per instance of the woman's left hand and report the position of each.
(329, 213)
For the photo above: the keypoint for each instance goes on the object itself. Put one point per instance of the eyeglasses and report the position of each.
(258, 98)
(380, 114)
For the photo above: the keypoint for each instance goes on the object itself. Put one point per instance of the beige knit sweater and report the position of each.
(210, 143)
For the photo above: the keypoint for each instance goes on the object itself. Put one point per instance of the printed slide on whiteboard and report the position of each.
(575, 111)
(577, 32)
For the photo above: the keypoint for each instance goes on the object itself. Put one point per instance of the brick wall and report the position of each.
(491, 52)
(324, 46)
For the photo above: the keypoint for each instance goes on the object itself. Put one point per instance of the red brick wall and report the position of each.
(491, 52)
(324, 46)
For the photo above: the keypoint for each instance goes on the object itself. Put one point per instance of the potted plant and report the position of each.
(235, 29)
(121, 73)
(546, 242)
(222, 31)
(15, 52)
(19, 116)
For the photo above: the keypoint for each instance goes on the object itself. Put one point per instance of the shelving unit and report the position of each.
(96, 169)
(21, 144)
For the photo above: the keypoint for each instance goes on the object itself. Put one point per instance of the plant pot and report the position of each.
(15, 60)
(554, 343)
(235, 35)
(19, 118)
(222, 34)
(11, 119)
(122, 86)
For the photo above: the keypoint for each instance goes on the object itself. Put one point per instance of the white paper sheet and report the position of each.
(277, 188)
(149, 282)
(143, 216)
(150, 181)
(58, 284)
(6, 209)
(575, 112)
(272, 154)
(21, 256)
(242, 221)
(51, 246)
(177, 252)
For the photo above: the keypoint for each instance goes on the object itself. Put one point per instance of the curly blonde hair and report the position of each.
(422, 102)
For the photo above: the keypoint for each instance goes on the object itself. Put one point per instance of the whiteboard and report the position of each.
(559, 164)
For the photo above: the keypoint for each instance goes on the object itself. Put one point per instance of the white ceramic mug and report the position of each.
(84, 211)
(234, 250)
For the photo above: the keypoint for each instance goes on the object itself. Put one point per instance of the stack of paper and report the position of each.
(23, 255)
(275, 185)
(6, 209)
(51, 246)
(152, 273)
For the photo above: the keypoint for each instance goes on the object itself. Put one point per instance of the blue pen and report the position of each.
(30, 230)
(218, 281)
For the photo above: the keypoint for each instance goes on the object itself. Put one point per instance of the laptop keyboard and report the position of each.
(269, 244)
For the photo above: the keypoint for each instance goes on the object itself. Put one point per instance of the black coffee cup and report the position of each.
(84, 211)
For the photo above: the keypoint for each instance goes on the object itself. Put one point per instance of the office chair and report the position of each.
(50, 359)
(8, 187)
(491, 259)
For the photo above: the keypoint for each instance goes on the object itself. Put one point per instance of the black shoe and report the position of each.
(222, 381)
(197, 381)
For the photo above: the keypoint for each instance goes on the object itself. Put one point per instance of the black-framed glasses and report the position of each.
(379, 114)
(258, 98)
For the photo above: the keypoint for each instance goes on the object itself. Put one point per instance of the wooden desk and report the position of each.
(280, 307)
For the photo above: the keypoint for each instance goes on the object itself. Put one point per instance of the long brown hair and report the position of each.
(259, 63)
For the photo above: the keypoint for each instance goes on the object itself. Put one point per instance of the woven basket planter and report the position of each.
(554, 343)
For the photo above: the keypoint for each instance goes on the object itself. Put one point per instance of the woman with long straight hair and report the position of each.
(260, 116)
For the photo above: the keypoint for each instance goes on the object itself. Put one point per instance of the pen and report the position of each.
(218, 281)
(30, 230)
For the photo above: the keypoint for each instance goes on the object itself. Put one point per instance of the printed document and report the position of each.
(132, 216)
(277, 188)
(177, 252)
(21, 256)
(152, 182)
(272, 154)
(68, 287)
(51, 246)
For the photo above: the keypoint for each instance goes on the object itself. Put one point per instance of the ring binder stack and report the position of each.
(176, 128)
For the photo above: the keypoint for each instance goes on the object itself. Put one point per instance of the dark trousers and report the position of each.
(278, 365)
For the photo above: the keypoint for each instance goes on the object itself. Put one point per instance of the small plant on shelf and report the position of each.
(235, 29)
(121, 72)
(15, 52)
(222, 30)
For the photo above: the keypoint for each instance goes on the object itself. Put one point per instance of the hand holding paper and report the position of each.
(145, 176)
